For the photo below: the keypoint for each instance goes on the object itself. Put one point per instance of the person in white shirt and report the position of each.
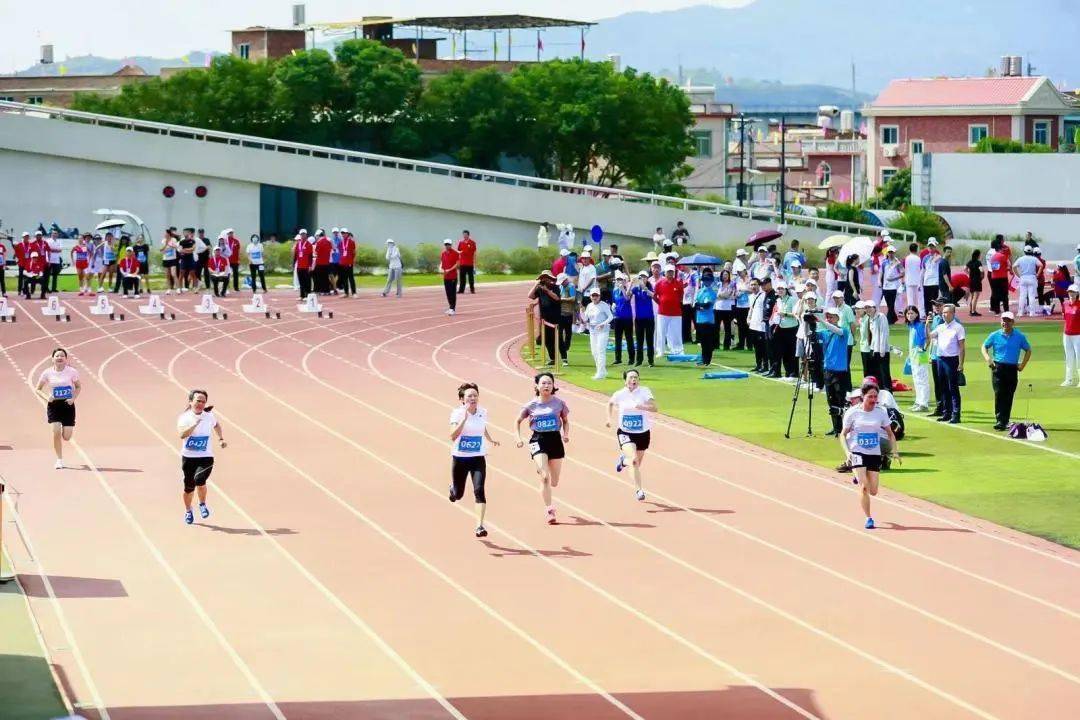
(586, 279)
(762, 266)
(393, 267)
(863, 427)
(659, 239)
(913, 291)
(469, 439)
(929, 273)
(196, 453)
(1027, 274)
(755, 321)
(598, 317)
(738, 265)
(877, 327)
(630, 408)
(949, 337)
(256, 264)
(542, 236)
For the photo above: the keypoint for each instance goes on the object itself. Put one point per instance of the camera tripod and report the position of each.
(805, 371)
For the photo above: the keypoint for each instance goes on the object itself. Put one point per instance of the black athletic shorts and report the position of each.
(170, 263)
(187, 263)
(196, 471)
(144, 268)
(872, 463)
(547, 443)
(640, 440)
(58, 411)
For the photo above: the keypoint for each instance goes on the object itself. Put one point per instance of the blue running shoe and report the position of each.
(869, 523)
(204, 511)
(621, 464)
(189, 517)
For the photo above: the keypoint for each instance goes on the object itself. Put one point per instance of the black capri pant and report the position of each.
(460, 471)
(259, 272)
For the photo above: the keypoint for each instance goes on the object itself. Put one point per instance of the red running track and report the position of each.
(335, 580)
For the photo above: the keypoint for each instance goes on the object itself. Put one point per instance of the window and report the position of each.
(824, 174)
(916, 147)
(887, 174)
(35, 100)
(702, 143)
(977, 133)
(1040, 132)
(890, 134)
(245, 50)
(7, 98)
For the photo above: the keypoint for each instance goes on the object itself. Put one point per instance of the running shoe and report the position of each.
(59, 465)
(204, 512)
(869, 523)
(480, 531)
(620, 464)
(551, 520)
(453, 497)
(451, 312)
(189, 517)
(640, 495)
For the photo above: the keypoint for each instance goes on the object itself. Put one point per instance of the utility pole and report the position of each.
(783, 165)
(741, 192)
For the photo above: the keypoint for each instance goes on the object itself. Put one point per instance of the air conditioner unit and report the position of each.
(889, 151)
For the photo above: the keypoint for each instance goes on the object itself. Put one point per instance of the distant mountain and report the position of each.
(747, 93)
(94, 65)
(796, 41)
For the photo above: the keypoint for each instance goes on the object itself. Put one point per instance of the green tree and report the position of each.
(920, 221)
(309, 97)
(848, 212)
(383, 88)
(896, 193)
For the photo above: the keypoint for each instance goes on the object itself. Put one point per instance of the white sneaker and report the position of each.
(168, 292)
(59, 465)
(1067, 383)
(449, 312)
(137, 296)
(640, 495)
(598, 376)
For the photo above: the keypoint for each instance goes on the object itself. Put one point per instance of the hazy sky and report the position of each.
(118, 28)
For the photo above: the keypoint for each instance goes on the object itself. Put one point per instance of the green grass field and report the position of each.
(1013, 483)
(27, 691)
(69, 283)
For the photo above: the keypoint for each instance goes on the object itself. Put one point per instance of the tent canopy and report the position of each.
(459, 22)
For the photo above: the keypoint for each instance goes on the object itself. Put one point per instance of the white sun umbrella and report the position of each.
(110, 224)
(861, 246)
(832, 241)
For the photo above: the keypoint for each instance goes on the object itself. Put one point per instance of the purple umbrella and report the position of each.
(763, 236)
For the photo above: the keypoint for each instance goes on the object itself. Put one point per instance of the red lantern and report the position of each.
(168, 191)
(200, 191)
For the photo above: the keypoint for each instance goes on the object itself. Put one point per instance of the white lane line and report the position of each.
(200, 611)
(334, 599)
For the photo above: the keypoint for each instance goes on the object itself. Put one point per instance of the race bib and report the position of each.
(995, 266)
(470, 443)
(141, 257)
(534, 447)
(546, 423)
(197, 443)
(867, 440)
(169, 254)
(856, 461)
(633, 423)
(256, 257)
(63, 392)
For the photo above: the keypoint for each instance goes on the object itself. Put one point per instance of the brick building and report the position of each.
(259, 42)
(59, 90)
(915, 116)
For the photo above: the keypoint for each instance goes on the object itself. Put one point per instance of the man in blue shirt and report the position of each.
(622, 299)
(792, 256)
(834, 351)
(1004, 348)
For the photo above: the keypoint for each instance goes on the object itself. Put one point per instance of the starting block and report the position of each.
(207, 306)
(102, 306)
(258, 306)
(7, 314)
(312, 305)
(155, 307)
(54, 308)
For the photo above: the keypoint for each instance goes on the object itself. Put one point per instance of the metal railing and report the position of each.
(434, 168)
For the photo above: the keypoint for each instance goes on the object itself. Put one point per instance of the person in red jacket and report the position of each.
(233, 243)
(467, 250)
(22, 258)
(35, 273)
(669, 294)
(323, 248)
(303, 258)
(346, 276)
(448, 265)
(1070, 309)
(999, 266)
(129, 272)
(218, 266)
(558, 265)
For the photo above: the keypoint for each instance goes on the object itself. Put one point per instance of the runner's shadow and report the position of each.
(662, 508)
(566, 551)
(87, 468)
(250, 532)
(582, 522)
(896, 526)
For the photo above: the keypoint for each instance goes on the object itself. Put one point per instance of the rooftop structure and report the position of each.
(59, 90)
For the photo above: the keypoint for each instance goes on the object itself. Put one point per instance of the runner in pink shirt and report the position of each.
(58, 386)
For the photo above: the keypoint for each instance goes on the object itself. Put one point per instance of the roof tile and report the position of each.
(937, 92)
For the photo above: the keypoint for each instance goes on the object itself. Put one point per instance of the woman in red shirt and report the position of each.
(449, 262)
(346, 275)
(302, 260)
(467, 250)
(218, 265)
(129, 272)
(1071, 337)
(35, 273)
(322, 250)
(669, 293)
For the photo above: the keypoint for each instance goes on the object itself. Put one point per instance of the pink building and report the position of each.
(929, 115)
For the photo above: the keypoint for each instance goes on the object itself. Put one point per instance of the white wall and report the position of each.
(1009, 193)
(54, 170)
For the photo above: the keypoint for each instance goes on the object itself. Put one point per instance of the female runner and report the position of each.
(864, 425)
(96, 268)
(196, 453)
(80, 258)
(633, 403)
(170, 262)
(58, 386)
(467, 450)
(549, 419)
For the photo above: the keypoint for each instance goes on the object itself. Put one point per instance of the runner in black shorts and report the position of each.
(549, 419)
(189, 266)
(863, 427)
(633, 430)
(468, 446)
(58, 386)
(196, 453)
